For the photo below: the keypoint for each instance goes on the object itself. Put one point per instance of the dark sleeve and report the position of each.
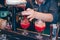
(54, 10)
(28, 5)
(2, 2)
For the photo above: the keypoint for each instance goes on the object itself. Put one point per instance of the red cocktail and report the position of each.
(25, 24)
(39, 26)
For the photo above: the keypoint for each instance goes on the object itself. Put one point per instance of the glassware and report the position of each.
(24, 21)
(54, 31)
(39, 26)
(25, 24)
(9, 24)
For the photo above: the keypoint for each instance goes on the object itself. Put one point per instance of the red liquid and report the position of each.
(25, 26)
(39, 28)
(25, 23)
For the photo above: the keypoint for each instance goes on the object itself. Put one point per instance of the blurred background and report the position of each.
(8, 11)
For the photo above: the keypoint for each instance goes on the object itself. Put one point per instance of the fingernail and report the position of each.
(28, 9)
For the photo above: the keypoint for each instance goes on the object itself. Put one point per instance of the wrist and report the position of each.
(38, 15)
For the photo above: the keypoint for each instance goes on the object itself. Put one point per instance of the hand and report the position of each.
(30, 12)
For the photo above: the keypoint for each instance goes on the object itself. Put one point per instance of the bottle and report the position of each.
(9, 25)
(54, 31)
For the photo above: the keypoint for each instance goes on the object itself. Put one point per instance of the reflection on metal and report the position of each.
(3, 37)
(59, 4)
(54, 30)
(31, 34)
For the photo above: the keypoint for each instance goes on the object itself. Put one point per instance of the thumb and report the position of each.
(29, 9)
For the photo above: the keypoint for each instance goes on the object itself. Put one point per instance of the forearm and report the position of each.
(45, 17)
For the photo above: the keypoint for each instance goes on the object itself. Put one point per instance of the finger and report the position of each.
(29, 16)
(29, 9)
(31, 19)
(25, 13)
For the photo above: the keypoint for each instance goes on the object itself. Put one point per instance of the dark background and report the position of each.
(2, 3)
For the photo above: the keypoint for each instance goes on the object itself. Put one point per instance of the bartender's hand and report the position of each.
(46, 17)
(31, 14)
